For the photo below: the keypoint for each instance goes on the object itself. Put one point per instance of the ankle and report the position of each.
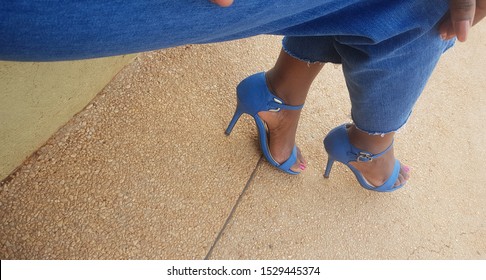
(282, 120)
(291, 93)
(371, 143)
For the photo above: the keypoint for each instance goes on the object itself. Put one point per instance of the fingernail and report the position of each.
(462, 28)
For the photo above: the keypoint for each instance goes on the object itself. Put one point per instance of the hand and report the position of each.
(223, 3)
(462, 15)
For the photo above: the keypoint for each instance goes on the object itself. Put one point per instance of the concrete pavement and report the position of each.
(146, 172)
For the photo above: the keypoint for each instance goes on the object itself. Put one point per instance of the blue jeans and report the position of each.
(388, 48)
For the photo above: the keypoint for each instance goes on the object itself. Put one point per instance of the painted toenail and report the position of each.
(302, 166)
(406, 169)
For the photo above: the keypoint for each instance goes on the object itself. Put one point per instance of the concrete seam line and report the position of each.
(230, 216)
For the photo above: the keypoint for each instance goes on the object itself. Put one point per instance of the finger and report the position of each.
(446, 30)
(223, 3)
(480, 11)
(462, 16)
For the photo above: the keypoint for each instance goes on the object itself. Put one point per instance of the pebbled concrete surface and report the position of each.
(38, 98)
(146, 172)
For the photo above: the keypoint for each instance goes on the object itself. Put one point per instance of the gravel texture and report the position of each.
(146, 172)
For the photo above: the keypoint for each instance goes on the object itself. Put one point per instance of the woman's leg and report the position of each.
(384, 81)
(290, 79)
(377, 171)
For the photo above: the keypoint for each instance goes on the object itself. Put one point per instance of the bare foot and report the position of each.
(290, 80)
(377, 171)
(282, 127)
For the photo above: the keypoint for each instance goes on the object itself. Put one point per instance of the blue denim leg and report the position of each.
(44, 30)
(388, 48)
(384, 82)
(312, 49)
(385, 67)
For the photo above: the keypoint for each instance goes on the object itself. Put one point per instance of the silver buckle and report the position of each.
(278, 102)
(363, 156)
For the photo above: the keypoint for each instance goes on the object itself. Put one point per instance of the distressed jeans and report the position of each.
(388, 49)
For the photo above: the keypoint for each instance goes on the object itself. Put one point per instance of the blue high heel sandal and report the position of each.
(253, 96)
(339, 148)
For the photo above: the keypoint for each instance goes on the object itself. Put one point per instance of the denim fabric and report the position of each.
(46, 30)
(388, 48)
(386, 64)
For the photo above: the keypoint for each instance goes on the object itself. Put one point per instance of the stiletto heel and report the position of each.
(253, 96)
(330, 162)
(339, 148)
(234, 120)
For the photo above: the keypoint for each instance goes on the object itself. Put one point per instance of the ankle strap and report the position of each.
(276, 104)
(363, 156)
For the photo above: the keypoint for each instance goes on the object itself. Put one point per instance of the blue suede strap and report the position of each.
(276, 104)
(362, 156)
(290, 161)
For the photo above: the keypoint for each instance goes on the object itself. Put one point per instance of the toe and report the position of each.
(300, 159)
(400, 181)
(403, 176)
(405, 171)
(300, 164)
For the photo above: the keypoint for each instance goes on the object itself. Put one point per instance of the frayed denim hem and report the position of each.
(381, 133)
(312, 49)
(308, 61)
